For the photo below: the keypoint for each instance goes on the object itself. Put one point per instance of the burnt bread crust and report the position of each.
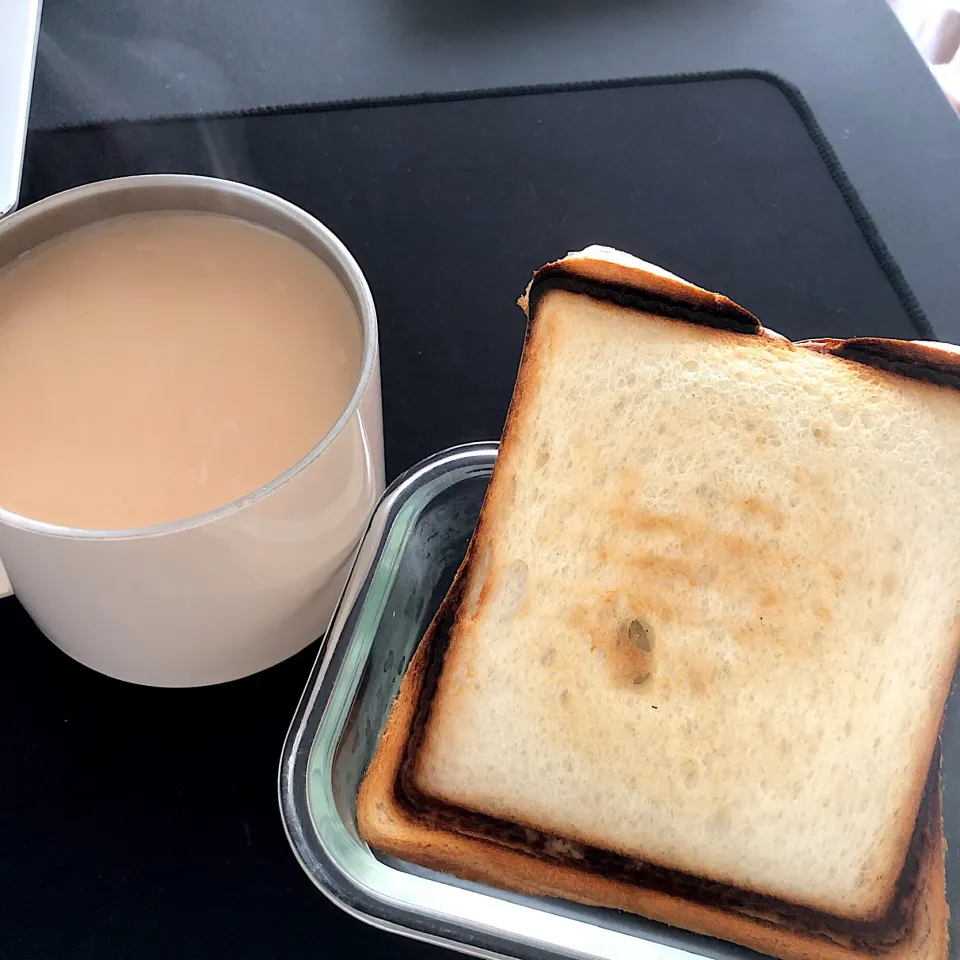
(903, 358)
(721, 315)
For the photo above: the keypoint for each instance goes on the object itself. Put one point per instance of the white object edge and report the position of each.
(19, 33)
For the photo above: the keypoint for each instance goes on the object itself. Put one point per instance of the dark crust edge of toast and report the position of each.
(689, 306)
(758, 921)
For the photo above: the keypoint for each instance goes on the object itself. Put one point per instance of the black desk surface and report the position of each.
(143, 823)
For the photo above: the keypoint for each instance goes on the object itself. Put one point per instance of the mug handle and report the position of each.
(6, 589)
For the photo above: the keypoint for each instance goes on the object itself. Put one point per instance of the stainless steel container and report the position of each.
(417, 538)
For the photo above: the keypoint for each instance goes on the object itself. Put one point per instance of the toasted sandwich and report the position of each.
(695, 662)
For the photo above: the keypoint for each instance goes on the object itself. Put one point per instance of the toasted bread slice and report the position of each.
(706, 626)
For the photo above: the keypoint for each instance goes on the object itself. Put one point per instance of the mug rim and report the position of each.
(357, 289)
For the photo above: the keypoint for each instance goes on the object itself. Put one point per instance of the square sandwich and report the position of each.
(695, 662)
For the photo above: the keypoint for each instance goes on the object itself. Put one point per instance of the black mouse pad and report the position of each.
(143, 823)
(450, 205)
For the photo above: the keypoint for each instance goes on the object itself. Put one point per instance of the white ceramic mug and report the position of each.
(224, 594)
